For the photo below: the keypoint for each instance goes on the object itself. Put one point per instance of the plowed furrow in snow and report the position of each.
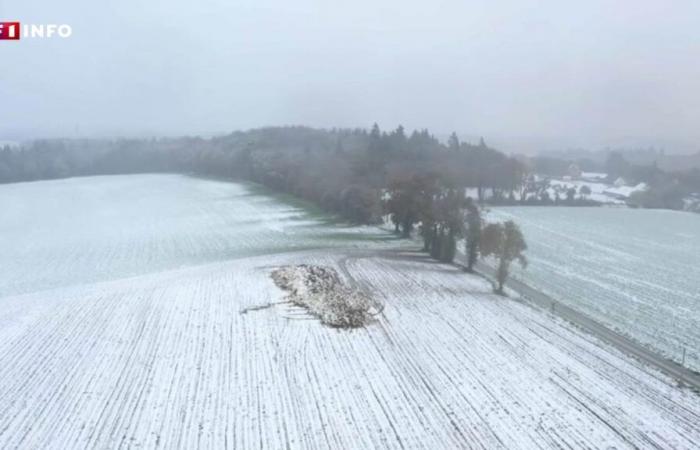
(168, 361)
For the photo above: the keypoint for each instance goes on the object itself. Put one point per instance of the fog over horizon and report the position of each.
(525, 75)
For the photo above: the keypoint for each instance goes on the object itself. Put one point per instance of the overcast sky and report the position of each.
(570, 72)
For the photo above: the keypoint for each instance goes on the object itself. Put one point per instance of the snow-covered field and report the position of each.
(157, 353)
(64, 232)
(637, 271)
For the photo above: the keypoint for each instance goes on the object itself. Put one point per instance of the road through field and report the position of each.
(668, 366)
(637, 271)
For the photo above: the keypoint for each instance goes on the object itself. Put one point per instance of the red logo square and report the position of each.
(9, 31)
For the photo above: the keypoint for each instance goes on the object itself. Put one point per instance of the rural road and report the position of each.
(669, 367)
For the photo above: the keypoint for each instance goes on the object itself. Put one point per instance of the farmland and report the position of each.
(121, 325)
(637, 271)
(101, 228)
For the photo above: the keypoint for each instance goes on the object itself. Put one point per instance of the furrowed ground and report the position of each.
(635, 270)
(165, 358)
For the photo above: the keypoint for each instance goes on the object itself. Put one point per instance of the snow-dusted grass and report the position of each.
(637, 271)
(164, 359)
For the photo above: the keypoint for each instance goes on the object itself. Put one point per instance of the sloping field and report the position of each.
(79, 230)
(637, 271)
(166, 359)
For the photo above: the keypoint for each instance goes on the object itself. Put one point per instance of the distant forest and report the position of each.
(345, 171)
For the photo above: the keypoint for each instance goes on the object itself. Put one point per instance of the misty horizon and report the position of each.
(526, 77)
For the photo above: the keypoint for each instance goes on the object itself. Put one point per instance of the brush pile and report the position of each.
(321, 291)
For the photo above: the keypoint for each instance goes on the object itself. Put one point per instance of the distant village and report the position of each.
(597, 187)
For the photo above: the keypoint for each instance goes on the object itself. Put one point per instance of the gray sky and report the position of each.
(575, 73)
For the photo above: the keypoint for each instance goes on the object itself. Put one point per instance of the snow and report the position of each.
(635, 270)
(63, 232)
(692, 203)
(597, 176)
(598, 190)
(625, 191)
(161, 356)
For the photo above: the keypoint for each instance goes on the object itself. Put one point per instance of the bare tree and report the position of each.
(505, 243)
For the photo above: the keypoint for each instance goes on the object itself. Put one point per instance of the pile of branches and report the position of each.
(321, 291)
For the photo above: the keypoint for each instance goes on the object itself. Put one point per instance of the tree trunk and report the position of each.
(501, 275)
(468, 253)
(471, 256)
(406, 229)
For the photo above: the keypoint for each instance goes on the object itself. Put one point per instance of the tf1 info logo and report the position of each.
(11, 31)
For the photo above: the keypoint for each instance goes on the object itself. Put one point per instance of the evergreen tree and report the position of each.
(453, 142)
(375, 139)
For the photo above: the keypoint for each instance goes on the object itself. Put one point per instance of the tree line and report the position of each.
(443, 215)
(344, 171)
